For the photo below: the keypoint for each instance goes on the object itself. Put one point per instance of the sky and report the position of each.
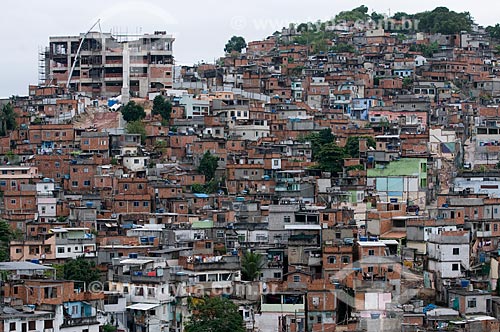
(200, 28)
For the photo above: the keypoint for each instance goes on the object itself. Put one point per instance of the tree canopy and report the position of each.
(494, 31)
(330, 158)
(133, 111)
(162, 106)
(445, 21)
(208, 165)
(137, 127)
(251, 265)
(214, 314)
(80, 269)
(6, 235)
(7, 119)
(236, 43)
(328, 155)
(318, 139)
(358, 13)
(352, 145)
(427, 50)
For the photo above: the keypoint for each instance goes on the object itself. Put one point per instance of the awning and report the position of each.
(143, 306)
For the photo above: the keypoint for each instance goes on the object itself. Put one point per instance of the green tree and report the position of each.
(343, 48)
(197, 188)
(445, 21)
(137, 127)
(318, 139)
(377, 17)
(6, 235)
(330, 158)
(400, 15)
(359, 13)
(407, 83)
(214, 314)
(108, 328)
(351, 147)
(236, 43)
(7, 119)
(80, 269)
(133, 111)
(208, 165)
(494, 31)
(251, 265)
(162, 106)
(428, 50)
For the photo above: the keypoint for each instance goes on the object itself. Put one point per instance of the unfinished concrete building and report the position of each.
(107, 63)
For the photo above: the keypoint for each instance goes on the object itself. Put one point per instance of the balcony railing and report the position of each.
(69, 322)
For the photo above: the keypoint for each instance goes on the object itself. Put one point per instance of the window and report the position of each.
(208, 245)
(85, 170)
(32, 325)
(286, 219)
(145, 204)
(370, 269)
(456, 251)
(296, 278)
(48, 324)
(495, 227)
(50, 293)
(277, 275)
(454, 267)
(345, 259)
(136, 203)
(136, 161)
(371, 252)
(74, 183)
(86, 142)
(60, 250)
(86, 183)
(332, 259)
(472, 303)
(12, 326)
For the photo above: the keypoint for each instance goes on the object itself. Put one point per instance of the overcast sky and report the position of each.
(201, 28)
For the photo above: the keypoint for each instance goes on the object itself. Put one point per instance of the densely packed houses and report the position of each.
(352, 189)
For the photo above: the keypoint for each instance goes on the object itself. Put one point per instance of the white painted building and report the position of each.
(74, 242)
(135, 163)
(448, 253)
(47, 208)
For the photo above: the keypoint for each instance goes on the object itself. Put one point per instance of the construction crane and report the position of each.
(77, 56)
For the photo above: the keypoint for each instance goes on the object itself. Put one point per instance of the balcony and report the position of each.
(70, 322)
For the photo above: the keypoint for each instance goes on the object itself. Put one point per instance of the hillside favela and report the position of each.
(333, 175)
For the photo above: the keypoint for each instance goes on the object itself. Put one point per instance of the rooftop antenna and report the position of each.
(77, 56)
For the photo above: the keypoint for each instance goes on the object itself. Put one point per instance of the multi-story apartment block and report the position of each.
(108, 62)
